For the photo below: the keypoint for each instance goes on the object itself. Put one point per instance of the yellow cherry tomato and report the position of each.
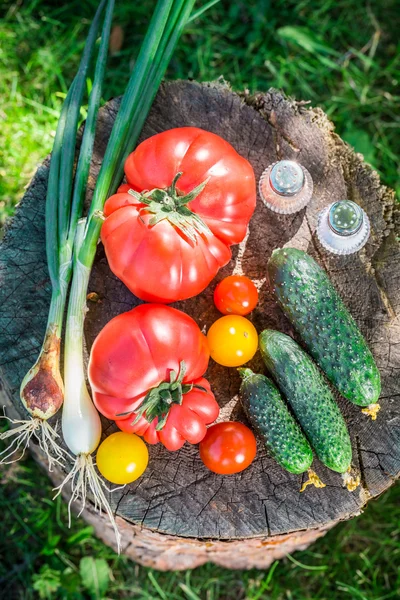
(122, 457)
(233, 340)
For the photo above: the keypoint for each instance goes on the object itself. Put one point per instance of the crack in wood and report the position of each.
(263, 502)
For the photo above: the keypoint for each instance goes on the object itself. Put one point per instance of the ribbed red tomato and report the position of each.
(189, 197)
(146, 367)
(185, 422)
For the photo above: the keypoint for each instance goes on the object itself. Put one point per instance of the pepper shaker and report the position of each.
(286, 187)
(343, 227)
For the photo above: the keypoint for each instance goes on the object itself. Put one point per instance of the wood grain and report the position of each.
(179, 515)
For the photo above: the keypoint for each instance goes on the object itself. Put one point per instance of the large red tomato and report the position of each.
(185, 422)
(146, 369)
(189, 197)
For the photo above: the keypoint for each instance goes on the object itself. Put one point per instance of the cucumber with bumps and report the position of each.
(309, 395)
(309, 300)
(272, 420)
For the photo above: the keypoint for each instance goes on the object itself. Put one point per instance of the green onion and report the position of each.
(42, 389)
(85, 156)
(172, 34)
(69, 141)
(131, 117)
(53, 259)
(80, 425)
(68, 236)
(132, 97)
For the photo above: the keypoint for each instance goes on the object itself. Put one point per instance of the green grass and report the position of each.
(343, 56)
(42, 558)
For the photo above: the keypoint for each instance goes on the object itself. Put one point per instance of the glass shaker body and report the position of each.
(286, 187)
(343, 227)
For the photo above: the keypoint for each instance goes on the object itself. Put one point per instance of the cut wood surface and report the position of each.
(178, 514)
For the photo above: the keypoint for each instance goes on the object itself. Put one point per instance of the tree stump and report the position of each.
(179, 515)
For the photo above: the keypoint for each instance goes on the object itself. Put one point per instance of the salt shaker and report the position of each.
(343, 227)
(286, 187)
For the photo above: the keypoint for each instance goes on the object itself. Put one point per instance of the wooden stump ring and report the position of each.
(179, 515)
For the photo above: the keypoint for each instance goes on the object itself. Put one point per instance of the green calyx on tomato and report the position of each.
(159, 263)
(170, 204)
(133, 354)
(158, 401)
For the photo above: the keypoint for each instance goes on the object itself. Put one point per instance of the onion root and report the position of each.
(83, 476)
(22, 433)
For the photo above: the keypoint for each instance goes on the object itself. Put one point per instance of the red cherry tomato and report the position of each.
(228, 448)
(235, 295)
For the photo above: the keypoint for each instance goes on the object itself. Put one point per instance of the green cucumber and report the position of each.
(272, 420)
(310, 397)
(311, 303)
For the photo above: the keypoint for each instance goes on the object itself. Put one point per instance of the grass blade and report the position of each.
(202, 10)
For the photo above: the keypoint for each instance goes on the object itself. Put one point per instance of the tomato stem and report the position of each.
(158, 400)
(169, 204)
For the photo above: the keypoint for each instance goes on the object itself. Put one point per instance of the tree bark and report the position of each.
(179, 515)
